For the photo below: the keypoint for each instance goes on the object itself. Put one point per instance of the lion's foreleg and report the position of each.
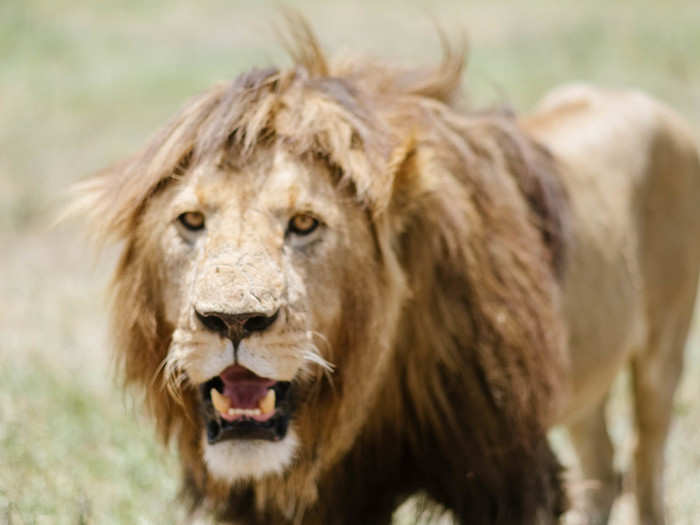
(600, 484)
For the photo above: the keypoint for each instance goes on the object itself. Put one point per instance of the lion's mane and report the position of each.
(468, 211)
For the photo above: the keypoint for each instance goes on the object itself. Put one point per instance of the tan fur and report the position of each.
(422, 326)
(631, 168)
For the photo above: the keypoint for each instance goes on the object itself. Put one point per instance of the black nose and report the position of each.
(236, 326)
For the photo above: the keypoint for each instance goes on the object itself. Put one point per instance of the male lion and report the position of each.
(337, 290)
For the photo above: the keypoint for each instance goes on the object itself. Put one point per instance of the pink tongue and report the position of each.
(243, 387)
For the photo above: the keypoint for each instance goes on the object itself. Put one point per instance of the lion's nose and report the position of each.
(236, 326)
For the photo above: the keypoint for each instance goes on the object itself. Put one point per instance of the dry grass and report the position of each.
(82, 83)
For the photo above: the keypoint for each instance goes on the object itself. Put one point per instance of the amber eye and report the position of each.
(192, 220)
(302, 224)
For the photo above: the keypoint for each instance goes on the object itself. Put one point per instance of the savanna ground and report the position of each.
(83, 83)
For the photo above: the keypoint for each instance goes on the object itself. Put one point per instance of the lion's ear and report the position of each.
(403, 169)
(419, 185)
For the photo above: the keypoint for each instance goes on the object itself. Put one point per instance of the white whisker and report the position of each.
(174, 377)
(159, 370)
(313, 356)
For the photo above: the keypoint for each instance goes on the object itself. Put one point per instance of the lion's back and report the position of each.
(630, 166)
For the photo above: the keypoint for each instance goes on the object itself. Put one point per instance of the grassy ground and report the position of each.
(83, 83)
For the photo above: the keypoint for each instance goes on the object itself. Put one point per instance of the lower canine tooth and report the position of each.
(267, 404)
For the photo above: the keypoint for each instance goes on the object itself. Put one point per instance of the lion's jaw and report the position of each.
(231, 461)
(246, 260)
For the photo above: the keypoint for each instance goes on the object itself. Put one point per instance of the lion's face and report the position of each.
(257, 266)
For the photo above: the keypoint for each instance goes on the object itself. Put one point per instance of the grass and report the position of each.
(84, 83)
(73, 457)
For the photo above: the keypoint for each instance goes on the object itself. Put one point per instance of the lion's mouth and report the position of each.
(237, 404)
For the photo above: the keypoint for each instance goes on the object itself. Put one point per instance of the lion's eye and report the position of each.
(302, 224)
(192, 220)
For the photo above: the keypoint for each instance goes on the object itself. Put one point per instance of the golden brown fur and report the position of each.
(450, 300)
(631, 168)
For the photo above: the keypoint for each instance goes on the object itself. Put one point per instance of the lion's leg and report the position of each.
(594, 449)
(655, 376)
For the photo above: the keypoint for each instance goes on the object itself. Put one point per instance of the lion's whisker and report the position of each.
(314, 357)
(174, 378)
(328, 349)
(326, 368)
(158, 371)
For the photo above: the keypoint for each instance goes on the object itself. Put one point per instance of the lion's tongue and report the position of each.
(245, 390)
(246, 394)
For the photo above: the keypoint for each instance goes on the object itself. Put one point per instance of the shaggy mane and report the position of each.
(345, 111)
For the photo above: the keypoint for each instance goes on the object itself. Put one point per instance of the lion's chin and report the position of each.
(238, 460)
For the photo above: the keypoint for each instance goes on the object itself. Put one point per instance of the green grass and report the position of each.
(84, 83)
(75, 456)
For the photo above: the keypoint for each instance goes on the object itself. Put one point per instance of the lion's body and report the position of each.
(433, 286)
(631, 170)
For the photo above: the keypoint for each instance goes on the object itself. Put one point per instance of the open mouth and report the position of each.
(238, 404)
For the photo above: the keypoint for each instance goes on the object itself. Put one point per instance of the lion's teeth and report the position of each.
(221, 403)
(267, 404)
(243, 412)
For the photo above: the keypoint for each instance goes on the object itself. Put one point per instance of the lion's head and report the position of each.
(329, 258)
(263, 266)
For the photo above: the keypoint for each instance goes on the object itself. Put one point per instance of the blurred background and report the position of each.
(84, 83)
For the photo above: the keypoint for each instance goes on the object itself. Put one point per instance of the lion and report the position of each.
(338, 290)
